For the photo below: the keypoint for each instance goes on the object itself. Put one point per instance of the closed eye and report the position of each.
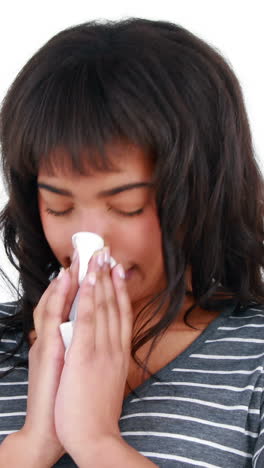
(126, 213)
(122, 213)
(58, 213)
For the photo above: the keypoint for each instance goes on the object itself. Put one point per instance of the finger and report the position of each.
(113, 319)
(102, 338)
(74, 274)
(39, 311)
(84, 303)
(125, 308)
(94, 263)
(54, 309)
(84, 327)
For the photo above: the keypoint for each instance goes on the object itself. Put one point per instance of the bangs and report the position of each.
(80, 109)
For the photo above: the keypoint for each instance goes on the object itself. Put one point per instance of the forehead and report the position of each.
(119, 160)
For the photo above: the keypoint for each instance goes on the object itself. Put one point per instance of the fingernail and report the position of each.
(120, 271)
(106, 255)
(100, 258)
(91, 278)
(61, 273)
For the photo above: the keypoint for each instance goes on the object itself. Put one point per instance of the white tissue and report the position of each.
(86, 243)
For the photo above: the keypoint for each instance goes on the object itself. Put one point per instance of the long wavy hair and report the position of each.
(157, 85)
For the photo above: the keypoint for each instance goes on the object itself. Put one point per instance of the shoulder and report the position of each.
(246, 322)
(7, 309)
(11, 332)
(249, 313)
(10, 326)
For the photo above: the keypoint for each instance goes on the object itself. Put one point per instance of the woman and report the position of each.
(135, 130)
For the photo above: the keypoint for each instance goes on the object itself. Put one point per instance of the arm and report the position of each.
(113, 453)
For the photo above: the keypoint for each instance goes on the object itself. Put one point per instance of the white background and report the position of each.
(234, 27)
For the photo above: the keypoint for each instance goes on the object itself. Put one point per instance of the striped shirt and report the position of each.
(203, 409)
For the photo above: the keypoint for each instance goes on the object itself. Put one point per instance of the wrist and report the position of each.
(19, 449)
(111, 452)
(92, 453)
(15, 452)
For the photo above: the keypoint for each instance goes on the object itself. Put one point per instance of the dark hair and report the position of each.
(156, 85)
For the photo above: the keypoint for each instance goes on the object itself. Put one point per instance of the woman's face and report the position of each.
(112, 205)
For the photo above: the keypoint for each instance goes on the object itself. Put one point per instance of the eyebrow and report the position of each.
(103, 193)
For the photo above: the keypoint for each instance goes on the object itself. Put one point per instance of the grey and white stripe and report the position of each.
(203, 409)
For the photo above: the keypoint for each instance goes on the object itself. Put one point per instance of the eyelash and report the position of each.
(122, 213)
(57, 213)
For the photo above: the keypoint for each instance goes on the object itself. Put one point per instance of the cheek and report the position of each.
(146, 240)
(153, 243)
(56, 236)
(147, 254)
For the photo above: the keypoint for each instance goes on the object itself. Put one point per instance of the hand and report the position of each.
(90, 395)
(46, 360)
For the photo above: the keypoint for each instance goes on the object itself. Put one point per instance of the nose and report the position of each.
(93, 221)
